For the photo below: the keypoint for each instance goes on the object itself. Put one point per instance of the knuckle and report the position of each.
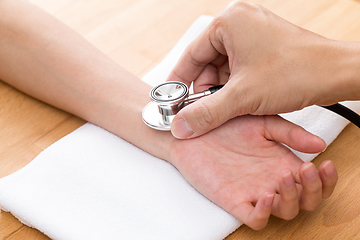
(219, 23)
(234, 9)
(243, 7)
(260, 224)
(204, 116)
(255, 5)
(291, 215)
(239, 5)
(256, 224)
(190, 51)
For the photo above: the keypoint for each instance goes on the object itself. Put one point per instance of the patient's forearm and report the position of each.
(44, 58)
(47, 60)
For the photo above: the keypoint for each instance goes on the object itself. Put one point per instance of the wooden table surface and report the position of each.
(137, 34)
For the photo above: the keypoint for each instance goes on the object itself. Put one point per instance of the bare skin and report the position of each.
(222, 164)
(268, 66)
(62, 69)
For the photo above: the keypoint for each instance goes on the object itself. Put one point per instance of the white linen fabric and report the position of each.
(92, 184)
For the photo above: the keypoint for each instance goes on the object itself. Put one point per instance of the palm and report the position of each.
(244, 163)
(235, 163)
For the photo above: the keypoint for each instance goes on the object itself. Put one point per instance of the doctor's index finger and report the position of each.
(206, 49)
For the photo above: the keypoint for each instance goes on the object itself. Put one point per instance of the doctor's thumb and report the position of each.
(201, 117)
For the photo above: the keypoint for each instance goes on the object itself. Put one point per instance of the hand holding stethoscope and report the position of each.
(170, 97)
(275, 67)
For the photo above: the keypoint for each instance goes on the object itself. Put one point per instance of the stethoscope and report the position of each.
(168, 98)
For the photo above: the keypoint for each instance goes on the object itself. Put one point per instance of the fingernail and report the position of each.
(181, 129)
(309, 171)
(288, 179)
(324, 149)
(269, 200)
(329, 169)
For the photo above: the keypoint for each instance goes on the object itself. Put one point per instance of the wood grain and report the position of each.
(137, 34)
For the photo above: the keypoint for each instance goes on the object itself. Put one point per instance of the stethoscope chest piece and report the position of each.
(153, 118)
(167, 100)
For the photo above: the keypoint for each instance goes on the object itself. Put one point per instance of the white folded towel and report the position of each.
(94, 185)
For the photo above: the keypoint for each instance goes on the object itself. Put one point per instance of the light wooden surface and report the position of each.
(137, 34)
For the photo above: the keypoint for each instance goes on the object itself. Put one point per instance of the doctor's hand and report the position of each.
(268, 65)
(243, 167)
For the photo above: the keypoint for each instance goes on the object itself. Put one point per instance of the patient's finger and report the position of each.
(311, 195)
(329, 177)
(293, 135)
(258, 216)
(286, 203)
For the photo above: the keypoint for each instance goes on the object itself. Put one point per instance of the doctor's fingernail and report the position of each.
(181, 129)
(324, 148)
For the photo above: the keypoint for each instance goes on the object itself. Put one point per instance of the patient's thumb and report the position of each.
(202, 116)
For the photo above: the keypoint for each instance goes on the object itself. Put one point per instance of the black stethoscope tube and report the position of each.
(345, 112)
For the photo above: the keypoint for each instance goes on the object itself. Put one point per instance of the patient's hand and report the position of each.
(243, 163)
